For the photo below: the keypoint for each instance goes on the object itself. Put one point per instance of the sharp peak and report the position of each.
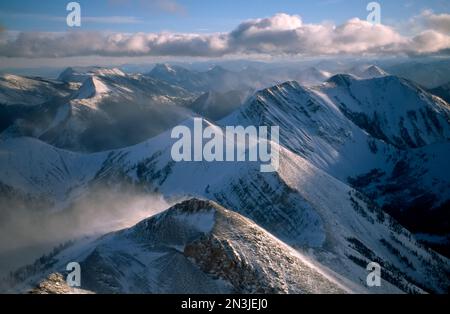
(170, 68)
(289, 85)
(92, 70)
(347, 79)
(100, 71)
(342, 79)
(361, 66)
(187, 207)
(376, 68)
(68, 69)
(373, 66)
(91, 86)
(193, 205)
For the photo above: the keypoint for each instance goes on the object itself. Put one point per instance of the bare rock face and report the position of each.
(253, 261)
(56, 284)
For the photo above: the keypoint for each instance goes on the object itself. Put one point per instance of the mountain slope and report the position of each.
(30, 91)
(109, 110)
(179, 76)
(392, 109)
(193, 247)
(368, 71)
(26, 99)
(80, 74)
(307, 203)
(337, 227)
(428, 73)
(215, 106)
(318, 124)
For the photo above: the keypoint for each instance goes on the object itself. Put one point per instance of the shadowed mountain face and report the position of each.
(109, 110)
(25, 98)
(384, 136)
(361, 158)
(215, 106)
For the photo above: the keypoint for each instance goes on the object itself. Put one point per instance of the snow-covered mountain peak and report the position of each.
(164, 69)
(196, 247)
(92, 87)
(69, 75)
(109, 71)
(367, 71)
(280, 103)
(374, 71)
(301, 205)
(342, 79)
(30, 91)
(392, 109)
(189, 218)
(347, 147)
(80, 74)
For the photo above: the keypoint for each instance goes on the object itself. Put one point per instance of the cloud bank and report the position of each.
(279, 35)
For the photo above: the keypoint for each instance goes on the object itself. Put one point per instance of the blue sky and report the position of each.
(124, 30)
(196, 16)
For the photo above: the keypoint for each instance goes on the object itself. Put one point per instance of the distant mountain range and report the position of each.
(363, 169)
(109, 109)
(219, 79)
(430, 73)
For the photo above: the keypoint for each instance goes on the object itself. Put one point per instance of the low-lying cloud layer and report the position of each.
(279, 35)
(27, 231)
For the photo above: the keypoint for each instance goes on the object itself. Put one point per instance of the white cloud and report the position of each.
(281, 34)
(437, 22)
